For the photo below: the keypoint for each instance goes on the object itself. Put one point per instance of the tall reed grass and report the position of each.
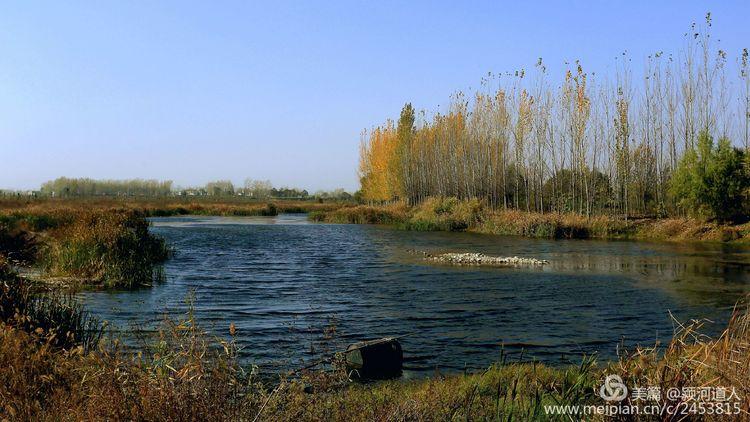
(362, 214)
(187, 375)
(452, 214)
(107, 247)
(55, 319)
(114, 249)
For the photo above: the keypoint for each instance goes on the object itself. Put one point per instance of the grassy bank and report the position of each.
(172, 206)
(185, 374)
(108, 248)
(450, 214)
(105, 241)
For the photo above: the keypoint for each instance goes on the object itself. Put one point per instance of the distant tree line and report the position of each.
(264, 189)
(72, 187)
(336, 194)
(588, 146)
(257, 189)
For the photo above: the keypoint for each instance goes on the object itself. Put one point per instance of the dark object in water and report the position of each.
(375, 359)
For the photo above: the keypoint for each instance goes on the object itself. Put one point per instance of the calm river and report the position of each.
(282, 281)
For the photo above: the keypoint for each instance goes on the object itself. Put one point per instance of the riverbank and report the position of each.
(449, 214)
(185, 374)
(172, 206)
(106, 242)
(110, 248)
(54, 366)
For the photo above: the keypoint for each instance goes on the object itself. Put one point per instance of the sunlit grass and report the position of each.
(105, 241)
(451, 214)
(110, 248)
(184, 373)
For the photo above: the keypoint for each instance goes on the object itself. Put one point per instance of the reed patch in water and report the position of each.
(114, 249)
(109, 248)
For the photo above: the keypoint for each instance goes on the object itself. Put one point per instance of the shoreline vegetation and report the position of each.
(110, 248)
(577, 152)
(451, 214)
(58, 362)
(55, 364)
(105, 243)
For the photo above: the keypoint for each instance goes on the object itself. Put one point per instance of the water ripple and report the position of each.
(282, 281)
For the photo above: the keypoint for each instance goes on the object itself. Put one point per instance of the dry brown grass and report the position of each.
(450, 214)
(692, 229)
(362, 214)
(40, 382)
(109, 247)
(692, 360)
(554, 225)
(187, 375)
(445, 214)
(225, 206)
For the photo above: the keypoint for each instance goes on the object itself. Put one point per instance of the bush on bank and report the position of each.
(114, 249)
(361, 214)
(54, 319)
(109, 248)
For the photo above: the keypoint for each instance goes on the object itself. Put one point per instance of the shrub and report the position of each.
(448, 214)
(16, 243)
(114, 249)
(361, 214)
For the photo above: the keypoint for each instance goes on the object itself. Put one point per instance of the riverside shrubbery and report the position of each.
(114, 249)
(106, 247)
(106, 242)
(582, 146)
(166, 209)
(362, 214)
(713, 180)
(445, 214)
(451, 214)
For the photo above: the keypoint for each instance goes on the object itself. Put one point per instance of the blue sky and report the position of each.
(196, 91)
